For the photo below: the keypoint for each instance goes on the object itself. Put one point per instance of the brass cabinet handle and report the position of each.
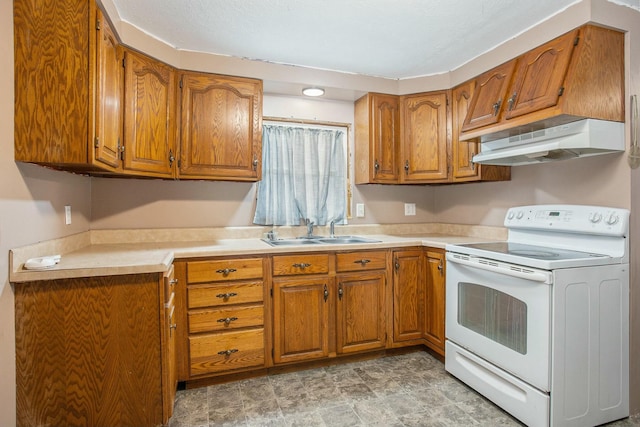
(227, 320)
(376, 167)
(226, 271)
(406, 166)
(228, 352)
(440, 268)
(362, 262)
(255, 163)
(173, 281)
(340, 292)
(227, 295)
(397, 265)
(171, 158)
(173, 326)
(326, 293)
(301, 265)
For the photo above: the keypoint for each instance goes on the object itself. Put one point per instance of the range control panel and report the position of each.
(570, 219)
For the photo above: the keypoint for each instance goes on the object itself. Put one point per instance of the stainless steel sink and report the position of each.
(337, 240)
(345, 240)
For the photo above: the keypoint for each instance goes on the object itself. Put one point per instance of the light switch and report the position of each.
(67, 214)
(360, 210)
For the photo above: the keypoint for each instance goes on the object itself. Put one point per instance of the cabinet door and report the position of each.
(221, 127)
(490, 92)
(539, 77)
(360, 312)
(407, 295)
(170, 377)
(435, 301)
(301, 319)
(385, 137)
(108, 109)
(149, 116)
(462, 151)
(424, 137)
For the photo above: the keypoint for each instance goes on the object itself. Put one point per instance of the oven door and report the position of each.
(502, 313)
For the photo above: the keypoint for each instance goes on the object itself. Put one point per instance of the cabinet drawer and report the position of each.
(224, 270)
(223, 319)
(226, 351)
(224, 294)
(285, 265)
(361, 261)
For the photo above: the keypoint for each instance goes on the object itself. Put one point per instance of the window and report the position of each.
(304, 174)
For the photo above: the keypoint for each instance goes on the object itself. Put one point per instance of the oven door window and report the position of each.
(494, 315)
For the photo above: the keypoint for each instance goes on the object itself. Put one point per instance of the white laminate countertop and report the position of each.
(102, 259)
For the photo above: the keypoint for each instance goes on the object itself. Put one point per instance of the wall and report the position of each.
(32, 201)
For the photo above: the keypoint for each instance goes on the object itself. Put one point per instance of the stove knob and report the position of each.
(520, 215)
(612, 219)
(510, 215)
(595, 217)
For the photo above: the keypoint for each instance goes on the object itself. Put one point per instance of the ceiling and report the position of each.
(382, 38)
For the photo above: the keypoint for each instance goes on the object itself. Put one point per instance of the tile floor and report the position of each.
(403, 390)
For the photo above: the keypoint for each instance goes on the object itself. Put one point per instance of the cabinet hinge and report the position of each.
(561, 91)
(96, 142)
(271, 292)
(180, 83)
(124, 62)
(179, 163)
(273, 353)
(98, 24)
(575, 42)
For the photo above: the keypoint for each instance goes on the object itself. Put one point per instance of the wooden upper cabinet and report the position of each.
(108, 111)
(221, 127)
(462, 152)
(489, 94)
(424, 137)
(538, 80)
(577, 75)
(377, 139)
(149, 116)
(68, 86)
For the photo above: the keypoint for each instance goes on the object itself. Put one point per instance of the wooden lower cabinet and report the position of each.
(360, 312)
(224, 303)
(434, 315)
(93, 351)
(301, 319)
(408, 294)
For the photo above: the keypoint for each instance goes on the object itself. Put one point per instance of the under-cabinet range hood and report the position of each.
(582, 138)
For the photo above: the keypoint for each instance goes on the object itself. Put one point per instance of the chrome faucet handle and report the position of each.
(309, 228)
(332, 233)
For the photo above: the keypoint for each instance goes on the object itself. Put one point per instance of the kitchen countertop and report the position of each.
(81, 256)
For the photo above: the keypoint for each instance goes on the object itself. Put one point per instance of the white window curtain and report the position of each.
(303, 176)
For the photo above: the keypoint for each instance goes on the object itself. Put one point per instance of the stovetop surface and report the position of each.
(543, 257)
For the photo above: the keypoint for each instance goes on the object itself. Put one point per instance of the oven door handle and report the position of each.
(534, 276)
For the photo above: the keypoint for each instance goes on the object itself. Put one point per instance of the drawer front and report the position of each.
(226, 351)
(224, 319)
(199, 296)
(361, 261)
(224, 270)
(286, 265)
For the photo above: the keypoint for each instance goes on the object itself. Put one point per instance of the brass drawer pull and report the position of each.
(173, 281)
(227, 320)
(301, 265)
(227, 295)
(362, 262)
(228, 352)
(226, 271)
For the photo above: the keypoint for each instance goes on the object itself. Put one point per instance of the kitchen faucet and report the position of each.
(309, 228)
(332, 233)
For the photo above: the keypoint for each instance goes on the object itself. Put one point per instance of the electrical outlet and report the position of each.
(359, 210)
(67, 214)
(409, 209)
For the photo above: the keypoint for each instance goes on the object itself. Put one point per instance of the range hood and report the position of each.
(582, 138)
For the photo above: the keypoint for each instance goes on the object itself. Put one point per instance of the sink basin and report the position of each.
(337, 240)
(345, 240)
